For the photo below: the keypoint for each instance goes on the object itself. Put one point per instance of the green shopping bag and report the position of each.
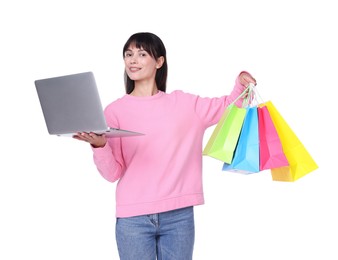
(223, 140)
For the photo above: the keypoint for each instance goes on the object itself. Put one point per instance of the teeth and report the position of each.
(134, 69)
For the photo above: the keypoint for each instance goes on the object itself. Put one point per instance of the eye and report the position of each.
(127, 54)
(143, 54)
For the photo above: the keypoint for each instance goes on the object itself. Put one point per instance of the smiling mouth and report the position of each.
(134, 69)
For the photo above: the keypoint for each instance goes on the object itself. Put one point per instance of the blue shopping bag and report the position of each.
(246, 156)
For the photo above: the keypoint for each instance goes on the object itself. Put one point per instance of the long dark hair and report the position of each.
(152, 44)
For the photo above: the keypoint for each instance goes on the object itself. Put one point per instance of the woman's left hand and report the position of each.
(245, 79)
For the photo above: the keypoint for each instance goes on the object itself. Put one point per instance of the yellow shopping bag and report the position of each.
(300, 161)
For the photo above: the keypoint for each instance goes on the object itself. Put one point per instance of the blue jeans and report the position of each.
(164, 236)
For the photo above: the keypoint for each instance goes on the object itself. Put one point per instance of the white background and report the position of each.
(53, 202)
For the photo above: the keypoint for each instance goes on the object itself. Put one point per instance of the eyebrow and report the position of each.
(137, 50)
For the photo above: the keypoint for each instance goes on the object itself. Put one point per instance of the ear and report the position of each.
(159, 62)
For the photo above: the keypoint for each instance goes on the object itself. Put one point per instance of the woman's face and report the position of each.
(139, 64)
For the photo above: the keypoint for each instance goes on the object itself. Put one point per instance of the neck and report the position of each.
(144, 90)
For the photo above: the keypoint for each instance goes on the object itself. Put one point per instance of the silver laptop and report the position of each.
(72, 104)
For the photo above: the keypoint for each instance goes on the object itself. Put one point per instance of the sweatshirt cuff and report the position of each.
(237, 91)
(100, 149)
(237, 83)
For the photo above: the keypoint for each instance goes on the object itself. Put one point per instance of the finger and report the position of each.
(80, 138)
(86, 137)
(247, 78)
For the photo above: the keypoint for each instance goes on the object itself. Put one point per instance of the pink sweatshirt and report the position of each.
(161, 170)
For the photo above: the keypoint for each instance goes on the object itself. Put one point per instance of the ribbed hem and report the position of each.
(123, 211)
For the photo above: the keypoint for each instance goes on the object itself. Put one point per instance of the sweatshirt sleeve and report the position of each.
(210, 110)
(107, 163)
(109, 159)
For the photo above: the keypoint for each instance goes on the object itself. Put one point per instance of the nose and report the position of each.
(132, 60)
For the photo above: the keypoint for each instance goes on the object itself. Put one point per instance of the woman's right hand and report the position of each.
(96, 141)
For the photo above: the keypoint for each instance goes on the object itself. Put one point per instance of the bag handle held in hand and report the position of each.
(250, 95)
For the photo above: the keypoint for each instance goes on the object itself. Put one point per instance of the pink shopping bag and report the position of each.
(271, 154)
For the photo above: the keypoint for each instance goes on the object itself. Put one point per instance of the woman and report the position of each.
(159, 173)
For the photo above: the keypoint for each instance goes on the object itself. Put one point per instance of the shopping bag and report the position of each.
(300, 161)
(222, 143)
(246, 156)
(271, 154)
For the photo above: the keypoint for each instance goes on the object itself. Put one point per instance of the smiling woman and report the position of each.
(145, 52)
(54, 205)
(141, 69)
(157, 185)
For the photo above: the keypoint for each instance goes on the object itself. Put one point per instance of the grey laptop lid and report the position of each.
(72, 104)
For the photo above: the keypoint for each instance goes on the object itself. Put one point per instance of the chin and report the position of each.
(133, 77)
